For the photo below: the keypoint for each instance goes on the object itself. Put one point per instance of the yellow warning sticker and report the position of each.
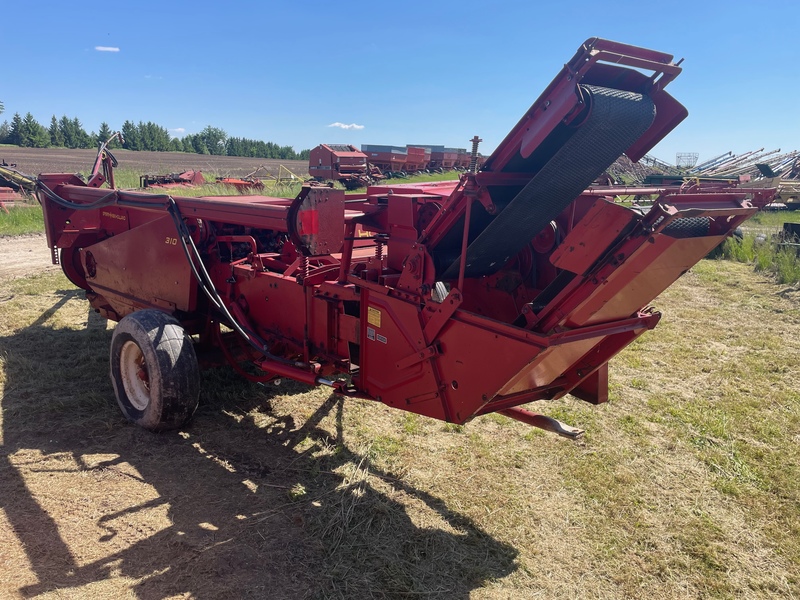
(373, 316)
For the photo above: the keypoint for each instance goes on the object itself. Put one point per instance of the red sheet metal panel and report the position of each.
(592, 236)
(142, 267)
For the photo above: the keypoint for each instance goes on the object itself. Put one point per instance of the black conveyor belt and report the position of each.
(616, 120)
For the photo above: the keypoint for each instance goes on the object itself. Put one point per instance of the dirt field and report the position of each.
(685, 486)
(33, 161)
(24, 255)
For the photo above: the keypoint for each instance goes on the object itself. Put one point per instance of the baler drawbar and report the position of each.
(516, 283)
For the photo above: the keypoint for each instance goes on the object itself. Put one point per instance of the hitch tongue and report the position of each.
(543, 422)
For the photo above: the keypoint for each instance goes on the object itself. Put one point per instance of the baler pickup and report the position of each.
(516, 283)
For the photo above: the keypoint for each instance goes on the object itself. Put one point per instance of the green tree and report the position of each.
(153, 137)
(103, 134)
(5, 131)
(82, 139)
(72, 130)
(56, 135)
(214, 139)
(65, 127)
(2, 108)
(258, 149)
(146, 138)
(15, 131)
(32, 134)
(115, 142)
(199, 145)
(131, 135)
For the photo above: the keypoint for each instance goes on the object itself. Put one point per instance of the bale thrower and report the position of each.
(516, 283)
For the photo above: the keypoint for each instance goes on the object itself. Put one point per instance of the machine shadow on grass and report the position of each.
(243, 503)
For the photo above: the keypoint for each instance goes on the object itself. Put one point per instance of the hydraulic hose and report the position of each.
(195, 261)
(207, 285)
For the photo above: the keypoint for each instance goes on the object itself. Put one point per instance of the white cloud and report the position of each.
(177, 131)
(106, 49)
(344, 126)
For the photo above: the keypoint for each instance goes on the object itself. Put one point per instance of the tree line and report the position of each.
(70, 133)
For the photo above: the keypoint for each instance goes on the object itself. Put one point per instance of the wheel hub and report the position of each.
(135, 378)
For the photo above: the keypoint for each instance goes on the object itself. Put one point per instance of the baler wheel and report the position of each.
(154, 370)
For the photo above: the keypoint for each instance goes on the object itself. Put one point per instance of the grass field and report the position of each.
(21, 219)
(685, 485)
(771, 221)
(760, 246)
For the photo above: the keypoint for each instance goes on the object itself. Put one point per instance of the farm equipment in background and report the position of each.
(788, 193)
(102, 172)
(14, 184)
(243, 185)
(189, 178)
(417, 159)
(786, 182)
(771, 169)
(255, 180)
(390, 160)
(17, 180)
(342, 163)
(438, 158)
(400, 161)
(450, 299)
(444, 158)
(284, 178)
(789, 237)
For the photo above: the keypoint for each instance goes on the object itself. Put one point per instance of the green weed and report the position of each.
(452, 428)
(21, 220)
(766, 256)
(412, 424)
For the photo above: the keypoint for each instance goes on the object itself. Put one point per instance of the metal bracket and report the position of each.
(417, 357)
(442, 314)
(543, 422)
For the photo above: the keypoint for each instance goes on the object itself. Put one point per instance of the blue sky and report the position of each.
(405, 72)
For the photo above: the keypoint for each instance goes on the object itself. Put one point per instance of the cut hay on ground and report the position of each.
(685, 486)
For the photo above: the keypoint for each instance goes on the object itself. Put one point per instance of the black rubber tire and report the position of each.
(154, 371)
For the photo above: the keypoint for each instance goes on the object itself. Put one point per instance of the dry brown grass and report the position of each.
(686, 484)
